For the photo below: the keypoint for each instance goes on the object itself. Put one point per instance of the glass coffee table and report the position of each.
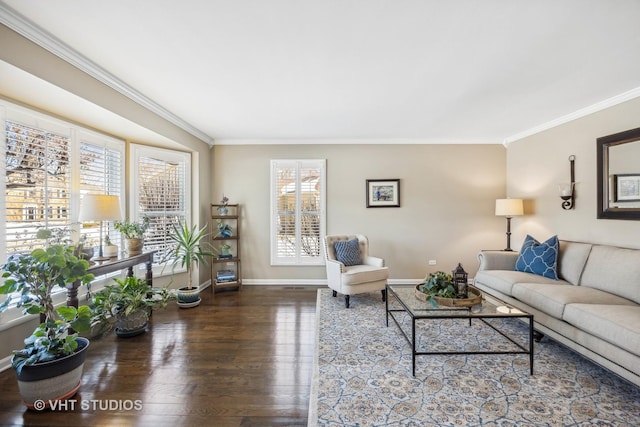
(403, 300)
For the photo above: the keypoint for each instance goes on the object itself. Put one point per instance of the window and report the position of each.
(297, 211)
(101, 172)
(160, 189)
(48, 164)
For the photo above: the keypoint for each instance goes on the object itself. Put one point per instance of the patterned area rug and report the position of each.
(362, 376)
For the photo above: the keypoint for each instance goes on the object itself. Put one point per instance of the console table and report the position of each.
(111, 265)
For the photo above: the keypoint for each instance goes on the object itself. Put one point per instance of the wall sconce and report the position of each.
(509, 208)
(567, 190)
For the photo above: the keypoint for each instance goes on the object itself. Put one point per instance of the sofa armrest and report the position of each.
(373, 261)
(497, 260)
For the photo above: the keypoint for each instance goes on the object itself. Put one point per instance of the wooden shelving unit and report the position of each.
(226, 272)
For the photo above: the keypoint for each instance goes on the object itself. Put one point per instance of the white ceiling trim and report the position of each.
(28, 29)
(353, 141)
(599, 106)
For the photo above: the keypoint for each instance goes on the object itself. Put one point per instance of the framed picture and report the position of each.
(383, 193)
(626, 187)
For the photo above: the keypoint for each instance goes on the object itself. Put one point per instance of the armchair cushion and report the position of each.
(348, 252)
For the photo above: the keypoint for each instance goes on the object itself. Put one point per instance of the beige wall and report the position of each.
(535, 165)
(447, 201)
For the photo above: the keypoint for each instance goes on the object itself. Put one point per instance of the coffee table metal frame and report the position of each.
(420, 310)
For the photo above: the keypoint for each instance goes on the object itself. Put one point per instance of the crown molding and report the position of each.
(354, 141)
(599, 106)
(21, 25)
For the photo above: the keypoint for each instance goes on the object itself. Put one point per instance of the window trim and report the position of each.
(273, 232)
(136, 151)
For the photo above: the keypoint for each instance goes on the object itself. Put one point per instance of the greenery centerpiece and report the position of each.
(34, 277)
(188, 252)
(439, 289)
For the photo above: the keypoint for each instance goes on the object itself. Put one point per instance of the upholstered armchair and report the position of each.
(350, 268)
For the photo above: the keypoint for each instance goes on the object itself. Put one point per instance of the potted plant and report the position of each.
(223, 210)
(133, 233)
(189, 251)
(110, 250)
(126, 305)
(51, 351)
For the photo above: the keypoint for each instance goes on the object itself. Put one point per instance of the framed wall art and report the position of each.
(383, 193)
(626, 187)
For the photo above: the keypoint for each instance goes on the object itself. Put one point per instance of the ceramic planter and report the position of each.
(134, 246)
(132, 324)
(188, 298)
(53, 381)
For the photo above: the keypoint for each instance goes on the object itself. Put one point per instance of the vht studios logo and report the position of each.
(88, 405)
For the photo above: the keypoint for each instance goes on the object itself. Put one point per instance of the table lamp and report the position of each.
(100, 207)
(509, 208)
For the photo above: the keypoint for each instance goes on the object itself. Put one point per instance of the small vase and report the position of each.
(223, 211)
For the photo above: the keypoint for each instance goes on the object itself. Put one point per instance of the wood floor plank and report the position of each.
(240, 359)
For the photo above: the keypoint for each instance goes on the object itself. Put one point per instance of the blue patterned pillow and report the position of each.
(539, 258)
(348, 252)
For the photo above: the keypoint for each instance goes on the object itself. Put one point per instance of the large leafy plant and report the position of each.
(51, 340)
(34, 276)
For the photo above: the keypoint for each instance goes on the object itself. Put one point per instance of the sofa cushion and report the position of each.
(356, 274)
(571, 260)
(503, 280)
(348, 252)
(552, 298)
(539, 258)
(615, 270)
(616, 324)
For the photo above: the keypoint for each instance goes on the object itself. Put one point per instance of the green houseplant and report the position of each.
(188, 251)
(126, 305)
(133, 232)
(51, 349)
(438, 284)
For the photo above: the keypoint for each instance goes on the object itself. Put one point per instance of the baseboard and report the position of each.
(5, 363)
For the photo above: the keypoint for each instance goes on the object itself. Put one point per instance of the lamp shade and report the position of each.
(100, 207)
(509, 207)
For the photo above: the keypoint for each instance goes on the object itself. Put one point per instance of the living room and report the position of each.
(449, 182)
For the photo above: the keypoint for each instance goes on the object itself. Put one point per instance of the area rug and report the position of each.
(362, 376)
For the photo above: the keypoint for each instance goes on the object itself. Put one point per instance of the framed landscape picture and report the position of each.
(383, 193)
(626, 187)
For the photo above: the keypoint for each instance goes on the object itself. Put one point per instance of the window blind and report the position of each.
(298, 211)
(162, 192)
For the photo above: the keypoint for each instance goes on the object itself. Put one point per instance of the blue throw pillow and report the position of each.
(539, 258)
(348, 252)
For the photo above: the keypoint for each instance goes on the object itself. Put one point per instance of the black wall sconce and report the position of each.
(567, 190)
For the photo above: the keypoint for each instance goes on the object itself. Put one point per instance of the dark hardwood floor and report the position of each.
(239, 359)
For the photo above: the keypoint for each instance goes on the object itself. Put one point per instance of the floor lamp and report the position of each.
(100, 207)
(509, 208)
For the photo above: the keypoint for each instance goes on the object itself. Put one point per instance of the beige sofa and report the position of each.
(594, 307)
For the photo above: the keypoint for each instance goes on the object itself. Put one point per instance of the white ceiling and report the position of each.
(344, 70)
